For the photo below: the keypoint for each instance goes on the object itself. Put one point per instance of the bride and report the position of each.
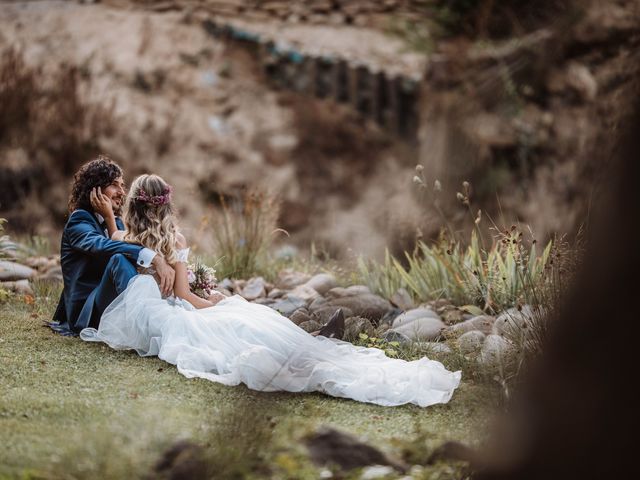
(231, 341)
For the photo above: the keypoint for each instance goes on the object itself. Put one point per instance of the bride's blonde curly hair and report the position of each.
(148, 216)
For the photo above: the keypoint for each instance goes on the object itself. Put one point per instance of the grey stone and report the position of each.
(424, 328)
(471, 341)
(436, 347)
(305, 292)
(483, 323)
(354, 326)
(264, 301)
(12, 271)
(276, 293)
(368, 305)
(287, 306)
(288, 279)
(512, 322)
(324, 314)
(394, 336)
(390, 316)
(402, 300)
(494, 350)
(414, 314)
(300, 316)
(227, 284)
(317, 304)
(321, 283)
(353, 290)
(310, 326)
(53, 274)
(254, 288)
(22, 287)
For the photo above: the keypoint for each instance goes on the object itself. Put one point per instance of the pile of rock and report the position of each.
(18, 274)
(310, 301)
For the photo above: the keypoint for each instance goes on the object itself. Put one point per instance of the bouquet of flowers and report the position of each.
(202, 279)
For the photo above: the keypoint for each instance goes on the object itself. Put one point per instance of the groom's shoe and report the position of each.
(334, 327)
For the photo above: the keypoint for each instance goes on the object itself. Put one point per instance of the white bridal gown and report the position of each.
(240, 342)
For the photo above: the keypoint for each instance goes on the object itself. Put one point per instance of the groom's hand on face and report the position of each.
(101, 203)
(166, 274)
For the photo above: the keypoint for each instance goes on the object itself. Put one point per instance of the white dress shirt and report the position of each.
(146, 255)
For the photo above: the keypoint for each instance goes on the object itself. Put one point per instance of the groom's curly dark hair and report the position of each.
(100, 172)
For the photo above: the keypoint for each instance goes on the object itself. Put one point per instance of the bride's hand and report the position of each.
(215, 297)
(166, 274)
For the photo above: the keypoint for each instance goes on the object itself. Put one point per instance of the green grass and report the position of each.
(70, 409)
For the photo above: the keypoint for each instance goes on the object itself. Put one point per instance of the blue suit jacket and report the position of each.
(85, 251)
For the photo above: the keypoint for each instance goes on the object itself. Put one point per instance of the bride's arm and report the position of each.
(181, 285)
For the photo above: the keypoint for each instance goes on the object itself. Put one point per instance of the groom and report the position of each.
(96, 269)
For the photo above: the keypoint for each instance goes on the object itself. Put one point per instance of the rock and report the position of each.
(305, 292)
(22, 287)
(287, 306)
(12, 271)
(310, 326)
(452, 315)
(317, 304)
(482, 323)
(423, 328)
(325, 313)
(52, 274)
(264, 301)
(368, 306)
(276, 293)
(321, 283)
(328, 446)
(40, 263)
(494, 350)
(289, 279)
(512, 322)
(436, 347)
(299, 316)
(402, 300)
(395, 336)
(471, 341)
(227, 284)
(353, 290)
(390, 316)
(414, 314)
(353, 326)
(254, 288)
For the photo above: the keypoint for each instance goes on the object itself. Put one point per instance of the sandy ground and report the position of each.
(197, 112)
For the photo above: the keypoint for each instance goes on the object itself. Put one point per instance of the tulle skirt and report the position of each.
(240, 342)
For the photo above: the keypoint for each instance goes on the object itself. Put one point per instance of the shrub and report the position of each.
(244, 231)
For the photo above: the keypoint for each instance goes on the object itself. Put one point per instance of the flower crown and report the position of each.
(144, 197)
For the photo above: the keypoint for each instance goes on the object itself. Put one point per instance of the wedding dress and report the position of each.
(237, 342)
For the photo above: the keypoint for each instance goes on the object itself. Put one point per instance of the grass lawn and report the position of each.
(70, 409)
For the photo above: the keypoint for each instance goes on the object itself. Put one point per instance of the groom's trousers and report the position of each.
(114, 281)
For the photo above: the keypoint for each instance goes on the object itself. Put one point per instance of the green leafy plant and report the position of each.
(389, 348)
(382, 278)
